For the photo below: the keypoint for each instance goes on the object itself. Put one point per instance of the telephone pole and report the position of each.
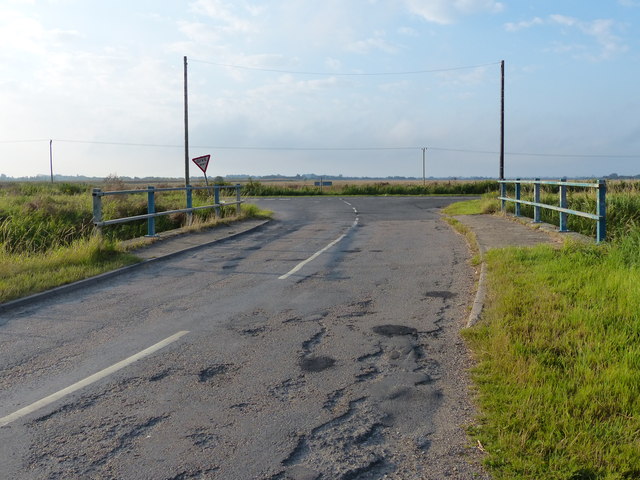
(424, 171)
(51, 158)
(186, 127)
(502, 121)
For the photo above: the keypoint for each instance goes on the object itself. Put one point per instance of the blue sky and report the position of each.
(295, 86)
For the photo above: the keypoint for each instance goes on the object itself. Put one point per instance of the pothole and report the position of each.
(444, 294)
(316, 364)
(395, 330)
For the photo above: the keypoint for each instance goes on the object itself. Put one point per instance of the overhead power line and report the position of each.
(353, 74)
(125, 144)
(25, 141)
(320, 149)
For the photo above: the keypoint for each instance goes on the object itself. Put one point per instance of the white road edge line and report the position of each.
(89, 380)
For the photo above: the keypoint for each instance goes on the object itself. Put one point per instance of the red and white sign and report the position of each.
(202, 162)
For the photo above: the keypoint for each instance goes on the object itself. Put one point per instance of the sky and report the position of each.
(338, 87)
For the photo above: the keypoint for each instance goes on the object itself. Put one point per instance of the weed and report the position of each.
(469, 235)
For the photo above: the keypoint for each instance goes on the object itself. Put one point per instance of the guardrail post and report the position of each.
(536, 199)
(216, 199)
(517, 206)
(563, 204)
(601, 207)
(189, 191)
(238, 200)
(503, 194)
(97, 208)
(151, 208)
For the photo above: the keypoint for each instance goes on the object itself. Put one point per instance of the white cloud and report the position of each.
(563, 20)
(333, 63)
(447, 11)
(599, 30)
(514, 27)
(464, 78)
(403, 131)
(287, 86)
(394, 87)
(474, 6)
(23, 33)
(224, 13)
(408, 31)
(377, 42)
(198, 32)
(27, 35)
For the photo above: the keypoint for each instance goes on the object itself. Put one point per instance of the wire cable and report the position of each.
(323, 149)
(354, 74)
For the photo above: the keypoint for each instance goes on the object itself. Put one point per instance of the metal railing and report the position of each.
(151, 214)
(601, 205)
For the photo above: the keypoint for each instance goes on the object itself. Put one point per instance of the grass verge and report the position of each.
(487, 204)
(468, 207)
(469, 235)
(23, 274)
(558, 351)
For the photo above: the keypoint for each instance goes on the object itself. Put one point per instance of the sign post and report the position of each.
(203, 163)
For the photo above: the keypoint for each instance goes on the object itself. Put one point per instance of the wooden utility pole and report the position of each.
(186, 127)
(51, 158)
(424, 170)
(502, 121)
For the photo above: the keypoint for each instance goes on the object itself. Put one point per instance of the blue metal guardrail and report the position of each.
(601, 205)
(151, 214)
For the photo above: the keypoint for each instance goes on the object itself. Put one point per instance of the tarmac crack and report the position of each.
(196, 473)
(309, 345)
(373, 355)
(348, 446)
(208, 373)
(300, 451)
(333, 398)
(341, 418)
(376, 466)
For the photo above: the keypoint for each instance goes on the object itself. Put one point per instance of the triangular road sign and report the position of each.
(202, 162)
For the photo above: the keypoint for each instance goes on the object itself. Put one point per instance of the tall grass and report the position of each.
(559, 362)
(46, 231)
(26, 273)
(37, 217)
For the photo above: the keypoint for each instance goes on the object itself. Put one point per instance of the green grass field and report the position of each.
(361, 187)
(558, 359)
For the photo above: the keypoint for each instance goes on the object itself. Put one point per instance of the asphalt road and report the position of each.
(324, 345)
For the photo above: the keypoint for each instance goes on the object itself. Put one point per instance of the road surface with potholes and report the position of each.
(324, 345)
